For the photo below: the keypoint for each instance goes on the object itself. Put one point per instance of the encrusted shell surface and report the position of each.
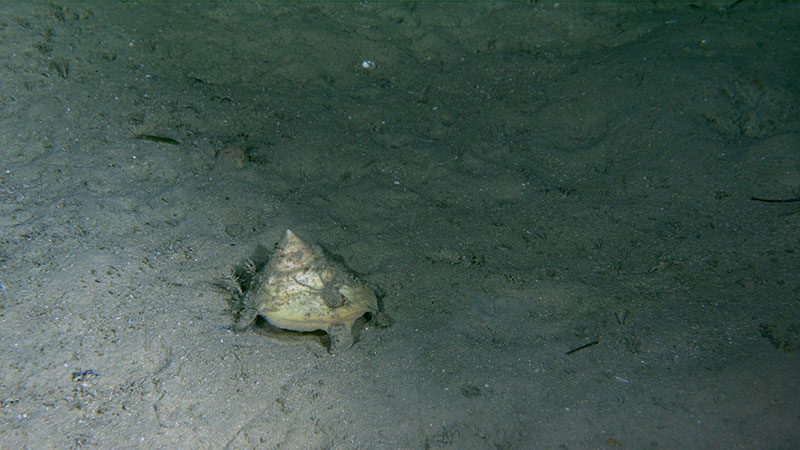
(302, 291)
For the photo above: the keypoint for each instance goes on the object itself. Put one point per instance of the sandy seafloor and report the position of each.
(515, 180)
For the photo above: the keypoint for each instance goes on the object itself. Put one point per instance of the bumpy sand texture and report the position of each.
(513, 180)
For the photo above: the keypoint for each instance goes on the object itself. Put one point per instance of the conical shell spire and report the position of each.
(292, 253)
